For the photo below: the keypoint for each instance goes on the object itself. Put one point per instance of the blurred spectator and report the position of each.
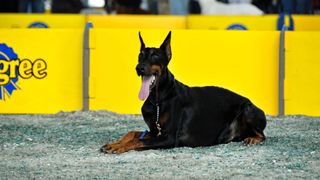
(33, 6)
(316, 6)
(267, 6)
(214, 7)
(9, 6)
(296, 6)
(163, 7)
(240, 1)
(129, 7)
(108, 5)
(179, 7)
(153, 6)
(66, 6)
(194, 7)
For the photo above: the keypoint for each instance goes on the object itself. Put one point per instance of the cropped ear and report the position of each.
(166, 47)
(141, 42)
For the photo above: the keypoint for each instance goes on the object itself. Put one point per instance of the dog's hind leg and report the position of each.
(254, 121)
(228, 134)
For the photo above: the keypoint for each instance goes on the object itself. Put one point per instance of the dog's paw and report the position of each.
(104, 148)
(112, 149)
(108, 148)
(252, 141)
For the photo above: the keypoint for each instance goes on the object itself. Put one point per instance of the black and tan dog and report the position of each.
(178, 115)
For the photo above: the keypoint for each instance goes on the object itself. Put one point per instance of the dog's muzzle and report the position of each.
(141, 69)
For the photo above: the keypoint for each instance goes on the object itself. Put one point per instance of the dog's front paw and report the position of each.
(252, 141)
(112, 149)
(104, 148)
(108, 148)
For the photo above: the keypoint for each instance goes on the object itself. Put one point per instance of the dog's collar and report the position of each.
(158, 110)
(158, 120)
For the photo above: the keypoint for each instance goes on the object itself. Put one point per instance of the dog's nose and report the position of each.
(141, 69)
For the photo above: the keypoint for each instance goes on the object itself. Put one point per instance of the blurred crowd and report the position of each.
(174, 7)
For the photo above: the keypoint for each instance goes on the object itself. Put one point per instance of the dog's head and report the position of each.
(151, 65)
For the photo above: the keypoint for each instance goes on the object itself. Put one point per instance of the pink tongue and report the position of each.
(145, 87)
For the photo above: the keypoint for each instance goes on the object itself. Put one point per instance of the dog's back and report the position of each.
(209, 111)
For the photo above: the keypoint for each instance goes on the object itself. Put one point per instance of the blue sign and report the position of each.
(38, 25)
(237, 27)
(6, 55)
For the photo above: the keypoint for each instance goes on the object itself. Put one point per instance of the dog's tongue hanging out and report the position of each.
(145, 87)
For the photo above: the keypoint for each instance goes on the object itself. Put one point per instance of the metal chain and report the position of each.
(158, 120)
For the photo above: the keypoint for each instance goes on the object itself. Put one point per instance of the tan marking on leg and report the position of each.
(133, 145)
(126, 138)
(132, 135)
(129, 137)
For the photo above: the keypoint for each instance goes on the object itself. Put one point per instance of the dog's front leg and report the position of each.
(126, 139)
(145, 144)
(131, 141)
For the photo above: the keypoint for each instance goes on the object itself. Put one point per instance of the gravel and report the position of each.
(66, 145)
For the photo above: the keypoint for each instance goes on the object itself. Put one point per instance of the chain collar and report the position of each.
(158, 120)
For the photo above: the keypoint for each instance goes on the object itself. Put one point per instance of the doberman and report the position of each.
(178, 115)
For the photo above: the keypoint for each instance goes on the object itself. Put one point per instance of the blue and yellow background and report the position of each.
(204, 53)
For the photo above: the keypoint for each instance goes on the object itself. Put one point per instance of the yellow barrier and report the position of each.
(306, 23)
(302, 75)
(243, 61)
(48, 65)
(267, 22)
(42, 20)
(138, 21)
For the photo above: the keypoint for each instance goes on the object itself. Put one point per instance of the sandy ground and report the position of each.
(66, 145)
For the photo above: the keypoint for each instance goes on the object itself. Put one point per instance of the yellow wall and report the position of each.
(138, 21)
(267, 22)
(61, 89)
(302, 77)
(306, 22)
(243, 61)
(53, 21)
